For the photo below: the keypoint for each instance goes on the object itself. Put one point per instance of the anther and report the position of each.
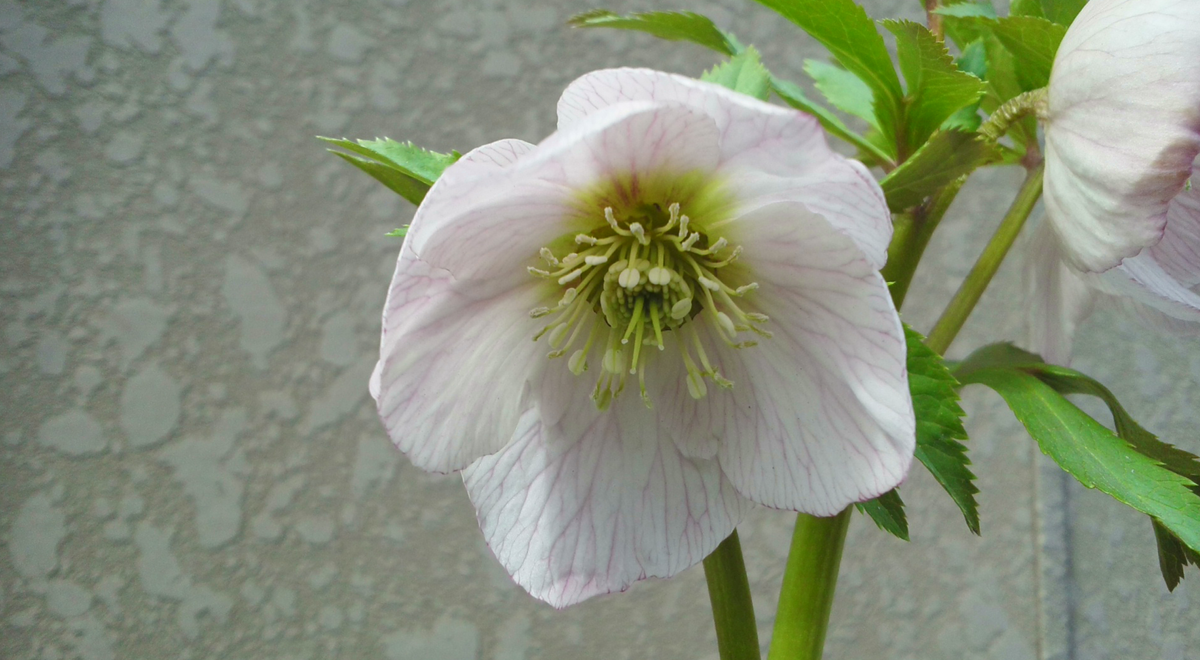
(538, 272)
(629, 278)
(612, 220)
(568, 297)
(595, 259)
(689, 241)
(639, 232)
(539, 312)
(745, 288)
(585, 239)
(659, 275)
(683, 225)
(757, 318)
(681, 309)
(709, 284)
(549, 257)
(571, 276)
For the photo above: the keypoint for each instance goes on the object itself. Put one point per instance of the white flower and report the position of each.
(1158, 285)
(1122, 133)
(1123, 126)
(669, 307)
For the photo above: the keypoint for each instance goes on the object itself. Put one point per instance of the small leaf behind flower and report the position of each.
(743, 73)
(1033, 43)
(846, 91)
(669, 25)
(399, 232)
(1062, 12)
(945, 157)
(940, 430)
(406, 169)
(936, 86)
(887, 511)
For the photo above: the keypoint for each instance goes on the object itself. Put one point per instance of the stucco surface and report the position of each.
(189, 309)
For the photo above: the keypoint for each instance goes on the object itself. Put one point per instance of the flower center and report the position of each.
(631, 281)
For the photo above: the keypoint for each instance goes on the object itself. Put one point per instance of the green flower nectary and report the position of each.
(671, 236)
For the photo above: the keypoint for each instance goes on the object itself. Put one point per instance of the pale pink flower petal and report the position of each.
(593, 501)
(1123, 126)
(819, 415)
(1157, 285)
(535, 199)
(772, 153)
(452, 378)
(1059, 298)
(1179, 251)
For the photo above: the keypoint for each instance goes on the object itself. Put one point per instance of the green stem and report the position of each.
(912, 233)
(977, 281)
(809, 582)
(733, 611)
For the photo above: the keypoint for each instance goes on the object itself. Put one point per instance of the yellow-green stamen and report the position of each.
(634, 279)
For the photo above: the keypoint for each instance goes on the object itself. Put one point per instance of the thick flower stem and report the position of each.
(809, 582)
(733, 611)
(977, 281)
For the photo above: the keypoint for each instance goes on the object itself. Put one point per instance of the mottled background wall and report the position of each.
(189, 309)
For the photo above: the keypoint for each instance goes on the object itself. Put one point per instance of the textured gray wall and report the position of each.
(190, 305)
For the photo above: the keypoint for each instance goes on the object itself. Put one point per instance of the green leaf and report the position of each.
(983, 9)
(850, 35)
(791, 94)
(887, 511)
(406, 186)
(974, 61)
(936, 86)
(669, 25)
(399, 232)
(945, 157)
(939, 426)
(1062, 12)
(846, 91)
(406, 169)
(1173, 555)
(1033, 43)
(1084, 448)
(743, 73)
(1027, 8)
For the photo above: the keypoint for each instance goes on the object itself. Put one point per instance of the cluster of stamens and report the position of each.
(631, 281)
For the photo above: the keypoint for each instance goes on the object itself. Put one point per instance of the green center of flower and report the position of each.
(632, 280)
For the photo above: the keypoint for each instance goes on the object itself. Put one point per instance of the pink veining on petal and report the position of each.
(1123, 126)
(593, 502)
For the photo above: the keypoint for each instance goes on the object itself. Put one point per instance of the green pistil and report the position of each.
(634, 279)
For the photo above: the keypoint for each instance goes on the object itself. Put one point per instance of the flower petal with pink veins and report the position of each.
(591, 502)
(474, 225)
(1123, 126)
(1179, 251)
(453, 375)
(780, 153)
(819, 415)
